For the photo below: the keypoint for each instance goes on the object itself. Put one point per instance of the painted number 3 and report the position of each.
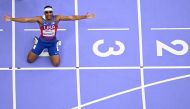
(110, 50)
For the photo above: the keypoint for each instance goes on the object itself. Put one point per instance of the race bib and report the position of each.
(49, 33)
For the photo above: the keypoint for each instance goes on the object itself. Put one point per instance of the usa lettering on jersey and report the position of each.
(49, 31)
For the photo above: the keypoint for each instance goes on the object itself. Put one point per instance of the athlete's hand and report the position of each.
(90, 15)
(7, 18)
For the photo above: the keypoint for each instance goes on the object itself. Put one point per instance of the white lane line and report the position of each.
(167, 80)
(141, 53)
(143, 89)
(98, 68)
(107, 97)
(166, 67)
(161, 29)
(13, 57)
(77, 54)
(109, 68)
(78, 88)
(5, 69)
(1, 30)
(31, 30)
(109, 29)
(47, 68)
(140, 32)
(131, 90)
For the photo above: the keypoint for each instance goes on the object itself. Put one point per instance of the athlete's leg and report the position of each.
(36, 51)
(54, 54)
(55, 60)
(31, 57)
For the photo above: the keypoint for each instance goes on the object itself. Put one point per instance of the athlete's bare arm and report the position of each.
(75, 17)
(37, 19)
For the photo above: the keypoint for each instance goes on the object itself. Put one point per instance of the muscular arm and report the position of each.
(75, 17)
(23, 20)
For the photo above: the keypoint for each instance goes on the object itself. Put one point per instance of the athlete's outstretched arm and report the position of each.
(76, 17)
(22, 20)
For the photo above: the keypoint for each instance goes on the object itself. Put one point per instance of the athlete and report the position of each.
(48, 24)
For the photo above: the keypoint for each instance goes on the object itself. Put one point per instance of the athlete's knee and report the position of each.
(55, 61)
(31, 57)
(56, 64)
(30, 60)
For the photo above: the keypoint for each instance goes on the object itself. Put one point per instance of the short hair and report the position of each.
(48, 6)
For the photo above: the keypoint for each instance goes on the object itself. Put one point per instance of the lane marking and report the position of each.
(166, 67)
(98, 68)
(32, 30)
(47, 68)
(77, 54)
(13, 57)
(109, 29)
(5, 69)
(162, 29)
(141, 53)
(108, 68)
(132, 90)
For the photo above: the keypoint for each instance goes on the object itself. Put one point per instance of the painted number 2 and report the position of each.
(110, 50)
(161, 46)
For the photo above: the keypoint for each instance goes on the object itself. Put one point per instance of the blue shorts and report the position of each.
(51, 46)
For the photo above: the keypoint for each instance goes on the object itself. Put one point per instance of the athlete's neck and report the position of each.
(49, 20)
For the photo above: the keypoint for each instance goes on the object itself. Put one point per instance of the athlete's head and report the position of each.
(48, 12)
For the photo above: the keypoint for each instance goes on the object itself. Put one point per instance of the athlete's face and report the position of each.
(48, 15)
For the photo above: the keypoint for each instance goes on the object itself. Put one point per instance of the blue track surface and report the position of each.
(152, 71)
